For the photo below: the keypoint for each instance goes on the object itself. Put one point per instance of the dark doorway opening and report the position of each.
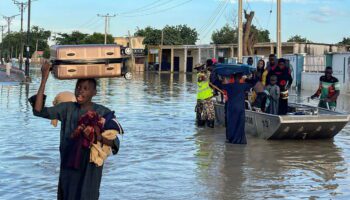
(176, 64)
(189, 64)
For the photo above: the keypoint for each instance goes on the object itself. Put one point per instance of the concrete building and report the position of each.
(138, 60)
(183, 58)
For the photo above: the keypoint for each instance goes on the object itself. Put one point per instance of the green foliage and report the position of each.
(229, 35)
(172, 35)
(298, 38)
(152, 35)
(77, 37)
(345, 41)
(37, 36)
(225, 35)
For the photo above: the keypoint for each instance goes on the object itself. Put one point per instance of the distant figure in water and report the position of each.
(235, 89)
(8, 68)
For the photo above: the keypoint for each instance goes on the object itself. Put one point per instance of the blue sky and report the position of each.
(325, 21)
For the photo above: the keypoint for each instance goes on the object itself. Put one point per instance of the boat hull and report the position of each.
(325, 125)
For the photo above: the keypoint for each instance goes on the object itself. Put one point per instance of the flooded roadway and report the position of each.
(163, 155)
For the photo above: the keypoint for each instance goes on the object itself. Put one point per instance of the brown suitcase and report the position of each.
(86, 61)
(85, 52)
(87, 71)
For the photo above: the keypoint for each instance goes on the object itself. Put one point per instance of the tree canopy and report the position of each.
(12, 42)
(229, 35)
(172, 35)
(77, 37)
(345, 41)
(298, 38)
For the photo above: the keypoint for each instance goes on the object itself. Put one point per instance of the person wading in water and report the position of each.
(79, 179)
(328, 90)
(205, 105)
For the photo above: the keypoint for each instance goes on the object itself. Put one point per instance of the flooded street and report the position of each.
(163, 154)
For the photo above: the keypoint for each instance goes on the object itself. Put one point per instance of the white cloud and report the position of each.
(325, 14)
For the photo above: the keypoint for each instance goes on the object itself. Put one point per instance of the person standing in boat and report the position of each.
(205, 106)
(274, 96)
(235, 89)
(250, 61)
(271, 65)
(284, 81)
(329, 89)
(262, 70)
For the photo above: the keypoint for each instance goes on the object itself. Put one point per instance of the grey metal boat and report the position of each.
(303, 122)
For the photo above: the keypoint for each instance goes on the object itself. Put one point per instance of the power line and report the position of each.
(155, 4)
(216, 21)
(212, 17)
(159, 11)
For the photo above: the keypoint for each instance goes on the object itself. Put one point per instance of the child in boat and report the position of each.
(84, 181)
(274, 95)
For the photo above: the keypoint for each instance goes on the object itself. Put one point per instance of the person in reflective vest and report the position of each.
(328, 90)
(205, 113)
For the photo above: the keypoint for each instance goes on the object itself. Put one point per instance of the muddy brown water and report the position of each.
(163, 154)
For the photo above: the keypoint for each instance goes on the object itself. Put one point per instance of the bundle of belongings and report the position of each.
(90, 128)
(60, 98)
(87, 61)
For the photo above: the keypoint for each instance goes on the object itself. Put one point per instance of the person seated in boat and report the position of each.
(260, 94)
(205, 113)
(235, 88)
(284, 81)
(328, 90)
(274, 95)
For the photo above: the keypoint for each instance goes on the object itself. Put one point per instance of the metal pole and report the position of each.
(28, 35)
(279, 42)
(106, 18)
(21, 54)
(162, 41)
(240, 31)
(2, 42)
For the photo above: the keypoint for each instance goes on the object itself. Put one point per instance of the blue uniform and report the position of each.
(235, 112)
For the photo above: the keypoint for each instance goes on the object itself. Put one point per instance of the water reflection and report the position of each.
(270, 169)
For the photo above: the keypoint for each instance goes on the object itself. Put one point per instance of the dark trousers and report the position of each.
(283, 106)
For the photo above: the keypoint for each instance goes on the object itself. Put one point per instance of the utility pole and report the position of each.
(2, 27)
(106, 24)
(27, 49)
(132, 52)
(279, 38)
(21, 6)
(240, 31)
(162, 41)
(9, 20)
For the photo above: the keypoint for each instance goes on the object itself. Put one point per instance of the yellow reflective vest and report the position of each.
(204, 90)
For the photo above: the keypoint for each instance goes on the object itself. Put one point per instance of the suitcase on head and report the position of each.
(86, 61)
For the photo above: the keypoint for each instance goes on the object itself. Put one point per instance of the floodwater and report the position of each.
(163, 154)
